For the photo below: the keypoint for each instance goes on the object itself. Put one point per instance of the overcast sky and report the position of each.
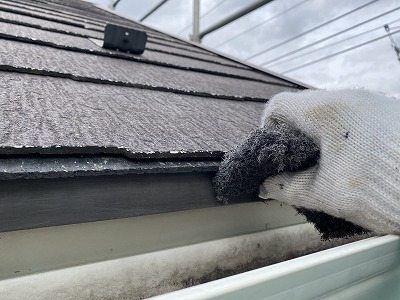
(374, 66)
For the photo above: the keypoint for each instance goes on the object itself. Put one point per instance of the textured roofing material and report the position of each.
(57, 115)
(156, 55)
(66, 42)
(47, 16)
(61, 93)
(19, 55)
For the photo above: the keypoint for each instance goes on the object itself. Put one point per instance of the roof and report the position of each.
(72, 108)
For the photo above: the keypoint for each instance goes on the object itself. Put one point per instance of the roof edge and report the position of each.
(41, 167)
(45, 202)
(235, 59)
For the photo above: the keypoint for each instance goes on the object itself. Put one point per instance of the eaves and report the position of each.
(51, 191)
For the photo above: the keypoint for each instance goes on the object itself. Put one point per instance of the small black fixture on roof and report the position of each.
(124, 39)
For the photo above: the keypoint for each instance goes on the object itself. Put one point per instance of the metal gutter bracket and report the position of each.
(124, 39)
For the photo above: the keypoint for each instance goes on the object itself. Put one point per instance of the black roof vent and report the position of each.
(124, 39)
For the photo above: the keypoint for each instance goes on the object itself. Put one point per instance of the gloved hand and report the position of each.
(357, 176)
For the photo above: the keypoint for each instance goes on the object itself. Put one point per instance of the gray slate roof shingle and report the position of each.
(61, 93)
(59, 115)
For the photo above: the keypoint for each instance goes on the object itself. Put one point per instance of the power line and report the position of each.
(153, 10)
(310, 30)
(331, 45)
(337, 53)
(260, 24)
(324, 39)
(203, 15)
(212, 9)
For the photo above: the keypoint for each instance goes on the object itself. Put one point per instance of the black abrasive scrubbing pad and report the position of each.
(267, 152)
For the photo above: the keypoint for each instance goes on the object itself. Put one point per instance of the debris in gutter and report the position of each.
(331, 227)
(124, 39)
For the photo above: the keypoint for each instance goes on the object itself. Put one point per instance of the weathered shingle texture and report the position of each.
(61, 93)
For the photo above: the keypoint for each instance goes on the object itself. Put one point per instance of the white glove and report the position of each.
(357, 177)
